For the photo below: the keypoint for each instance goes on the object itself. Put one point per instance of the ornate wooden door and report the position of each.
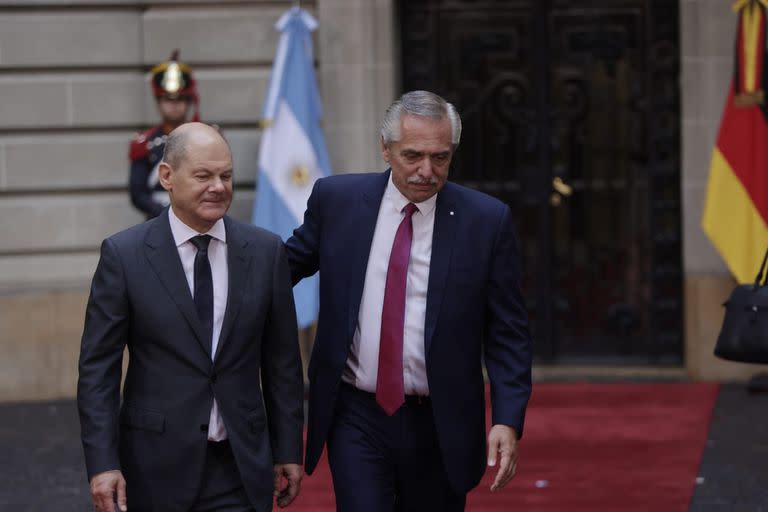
(571, 116)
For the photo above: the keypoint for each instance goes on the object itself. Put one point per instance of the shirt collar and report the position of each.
(183, 233)
(398, 200)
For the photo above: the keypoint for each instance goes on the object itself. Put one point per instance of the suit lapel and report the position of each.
(368, 209)
(164, 258)
(238, 265)
(442, 248)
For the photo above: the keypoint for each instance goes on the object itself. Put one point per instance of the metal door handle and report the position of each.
(561, 187)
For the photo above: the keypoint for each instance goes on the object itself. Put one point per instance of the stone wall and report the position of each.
(73, 90)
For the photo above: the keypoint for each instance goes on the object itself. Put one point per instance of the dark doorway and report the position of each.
(571, 114)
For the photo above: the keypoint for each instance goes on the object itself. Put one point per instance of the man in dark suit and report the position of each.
(419, 280)
(212, 414)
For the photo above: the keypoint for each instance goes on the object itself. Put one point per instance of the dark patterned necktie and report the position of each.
(390, 390)
(204, 287)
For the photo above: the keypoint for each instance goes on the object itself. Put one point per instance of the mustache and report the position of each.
(422, 181)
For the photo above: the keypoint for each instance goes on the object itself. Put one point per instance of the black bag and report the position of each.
(744, 334)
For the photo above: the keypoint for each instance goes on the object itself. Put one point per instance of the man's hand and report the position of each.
(502, 440)
(104, 486)
(287, 483)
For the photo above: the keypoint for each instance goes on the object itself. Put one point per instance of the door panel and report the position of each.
(570, 112)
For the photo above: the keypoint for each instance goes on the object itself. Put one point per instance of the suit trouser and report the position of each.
(383, 463)
(221, 488)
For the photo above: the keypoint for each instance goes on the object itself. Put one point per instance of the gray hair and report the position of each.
(419, 103)
(175, 150)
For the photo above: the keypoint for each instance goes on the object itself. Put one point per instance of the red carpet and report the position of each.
(591, 448)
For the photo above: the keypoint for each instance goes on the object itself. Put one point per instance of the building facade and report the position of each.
(73, 90)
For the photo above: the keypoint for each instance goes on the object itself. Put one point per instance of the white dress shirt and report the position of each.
(363, 362)
(217, 255)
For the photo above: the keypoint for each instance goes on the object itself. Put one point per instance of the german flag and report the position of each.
(736, 206)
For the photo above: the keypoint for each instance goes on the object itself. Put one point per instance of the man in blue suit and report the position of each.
(419, 282)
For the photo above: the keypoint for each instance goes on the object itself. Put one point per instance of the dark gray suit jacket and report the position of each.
(140, 299)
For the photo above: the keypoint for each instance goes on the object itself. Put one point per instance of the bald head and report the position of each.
(181, 139)
(197, 173)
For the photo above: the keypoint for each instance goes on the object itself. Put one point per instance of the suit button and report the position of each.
(213, 378)
(204, 428)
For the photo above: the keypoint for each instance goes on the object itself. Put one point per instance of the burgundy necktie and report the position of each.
(390, 391)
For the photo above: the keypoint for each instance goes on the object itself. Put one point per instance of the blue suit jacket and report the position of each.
(474, 310)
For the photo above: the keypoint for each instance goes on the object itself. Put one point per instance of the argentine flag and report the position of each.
(292, 154)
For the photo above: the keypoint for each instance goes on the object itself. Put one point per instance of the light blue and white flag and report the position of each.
(292, 154)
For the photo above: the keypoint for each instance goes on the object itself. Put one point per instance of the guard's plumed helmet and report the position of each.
(173, 79)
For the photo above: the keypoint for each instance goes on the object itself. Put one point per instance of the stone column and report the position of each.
(358, 78)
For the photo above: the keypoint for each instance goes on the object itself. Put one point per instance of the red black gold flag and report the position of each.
(736, 205)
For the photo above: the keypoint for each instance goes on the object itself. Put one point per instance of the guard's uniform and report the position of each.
(146, 152)
(171, 79)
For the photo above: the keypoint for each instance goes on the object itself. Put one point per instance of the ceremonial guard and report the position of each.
(175, 93)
